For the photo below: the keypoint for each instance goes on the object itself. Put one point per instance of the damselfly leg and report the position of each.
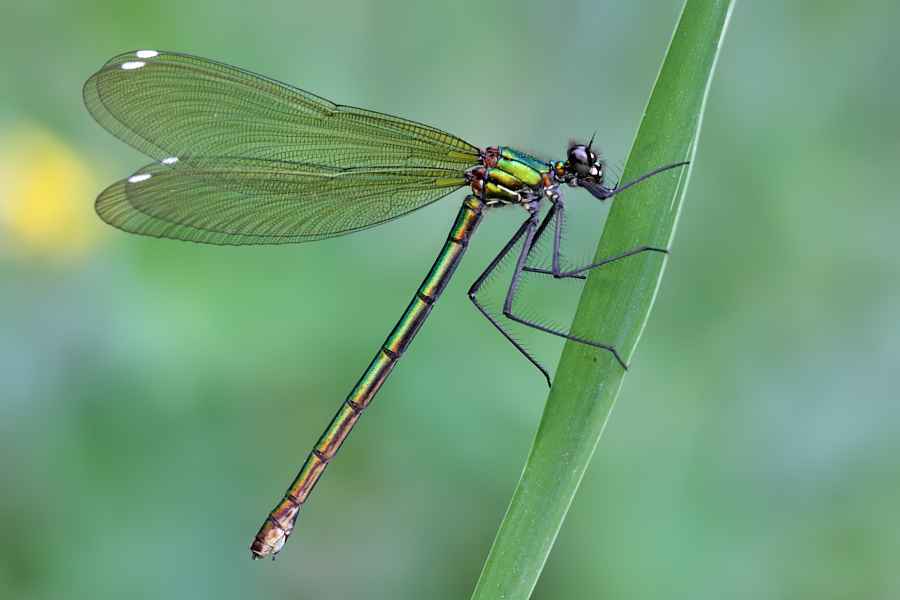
(532, 230)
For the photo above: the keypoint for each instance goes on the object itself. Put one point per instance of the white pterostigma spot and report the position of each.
(146, 53)
(169, 161)
(132, 65)
(139, 178)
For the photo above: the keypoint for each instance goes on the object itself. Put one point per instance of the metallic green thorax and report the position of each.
(513, 177)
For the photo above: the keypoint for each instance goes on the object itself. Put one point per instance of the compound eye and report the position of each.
(580, 160)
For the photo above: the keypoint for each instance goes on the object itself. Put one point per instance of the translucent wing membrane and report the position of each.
(162, 202)
(246, 159)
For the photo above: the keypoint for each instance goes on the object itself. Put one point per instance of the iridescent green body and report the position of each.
(516, 178)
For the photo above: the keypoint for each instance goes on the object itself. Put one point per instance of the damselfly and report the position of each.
(244, 159)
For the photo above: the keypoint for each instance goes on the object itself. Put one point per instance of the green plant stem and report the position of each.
(614, 307)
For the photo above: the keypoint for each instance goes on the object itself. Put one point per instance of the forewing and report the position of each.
(183, 109)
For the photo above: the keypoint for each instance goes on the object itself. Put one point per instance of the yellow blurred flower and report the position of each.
(45, 196)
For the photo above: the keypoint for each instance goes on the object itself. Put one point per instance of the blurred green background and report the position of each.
(157, 397)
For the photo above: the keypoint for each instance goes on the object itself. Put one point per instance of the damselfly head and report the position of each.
(583, 163)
